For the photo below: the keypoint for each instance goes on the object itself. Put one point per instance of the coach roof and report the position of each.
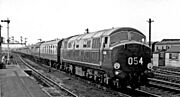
(55, 41)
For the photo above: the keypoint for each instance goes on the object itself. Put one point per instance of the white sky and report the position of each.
(50, 19)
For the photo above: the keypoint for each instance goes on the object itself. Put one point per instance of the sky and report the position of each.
(51, 19)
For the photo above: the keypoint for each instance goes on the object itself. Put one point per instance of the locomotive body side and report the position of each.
(82, 50)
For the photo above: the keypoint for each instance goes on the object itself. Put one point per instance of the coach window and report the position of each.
(87, 43)
(70, 45)
(48, 49)
(77, 44)
(84, 43)
(45, 49)
(52, 48)
(42, 50)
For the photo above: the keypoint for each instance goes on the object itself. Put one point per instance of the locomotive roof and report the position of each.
(105, 32)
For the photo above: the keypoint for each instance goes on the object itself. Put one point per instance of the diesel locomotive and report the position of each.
(117, 57)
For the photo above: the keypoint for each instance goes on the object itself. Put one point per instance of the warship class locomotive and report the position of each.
(117, 57)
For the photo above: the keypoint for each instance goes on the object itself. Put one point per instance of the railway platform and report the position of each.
(14, 82)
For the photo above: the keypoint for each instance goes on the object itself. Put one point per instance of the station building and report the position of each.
(167, 53)
(166, 44)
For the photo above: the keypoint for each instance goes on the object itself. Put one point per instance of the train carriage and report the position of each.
(48, 50)
(35, 49)
(118, 56)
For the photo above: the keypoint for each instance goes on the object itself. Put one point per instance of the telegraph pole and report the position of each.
(0, 40)
(7, 21)
(150, 21)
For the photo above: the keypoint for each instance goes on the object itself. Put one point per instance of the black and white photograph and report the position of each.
(89, 48)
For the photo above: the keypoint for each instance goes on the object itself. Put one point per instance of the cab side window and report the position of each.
(105, 44)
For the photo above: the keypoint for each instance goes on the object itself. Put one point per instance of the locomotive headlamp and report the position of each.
(150, 66)
(117, 65)
(117, 72)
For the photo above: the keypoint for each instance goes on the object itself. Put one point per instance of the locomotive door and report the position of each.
(105, 53)
(59, 51)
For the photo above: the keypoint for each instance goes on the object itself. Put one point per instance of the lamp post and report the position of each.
(7, 21)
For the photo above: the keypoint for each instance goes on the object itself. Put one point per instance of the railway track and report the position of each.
(47, 80)
(166, 79)
(128, 92)
(168, 75)
(117, 93)
(163, 88)
(155, 84)
(165, 84)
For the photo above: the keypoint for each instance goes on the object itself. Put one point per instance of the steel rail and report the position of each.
(165, 75)
(167, 84)
(144, 92)
(48, 80)
(151, 94)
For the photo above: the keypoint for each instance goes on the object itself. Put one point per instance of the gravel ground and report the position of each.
(83, 89)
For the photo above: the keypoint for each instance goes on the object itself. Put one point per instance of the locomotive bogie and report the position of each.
(79, 71)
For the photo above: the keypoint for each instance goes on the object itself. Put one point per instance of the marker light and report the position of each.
(117, 65)
(150, 66)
